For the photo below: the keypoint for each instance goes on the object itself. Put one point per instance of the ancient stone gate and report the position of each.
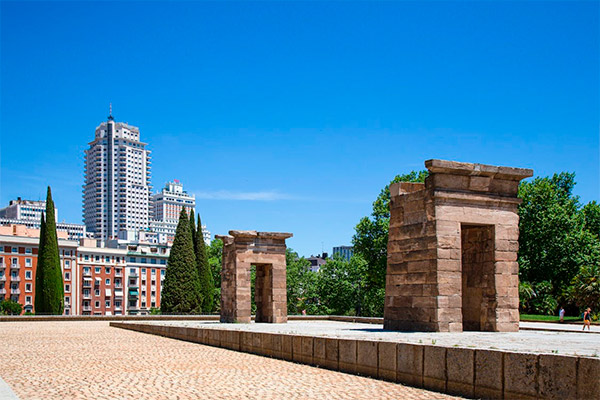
(452, 250)
(266, 251)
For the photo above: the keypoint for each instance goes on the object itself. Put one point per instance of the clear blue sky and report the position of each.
(292, 116)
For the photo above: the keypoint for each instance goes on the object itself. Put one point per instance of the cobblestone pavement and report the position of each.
(90, 360)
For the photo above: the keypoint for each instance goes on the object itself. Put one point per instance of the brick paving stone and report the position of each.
(90, 360)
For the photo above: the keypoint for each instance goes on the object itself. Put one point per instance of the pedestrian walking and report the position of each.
(587, 319)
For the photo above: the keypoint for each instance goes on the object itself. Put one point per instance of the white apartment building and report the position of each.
(29, 214)
(166, 207)
(25, 210)
(117, 188)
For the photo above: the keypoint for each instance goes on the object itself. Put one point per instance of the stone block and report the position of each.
(347, 355)
(267, 344)
(588, 378)
(366, 358)
(214, 338)
(297, 348)
(387, 359)
(557, 377)
(287, 347)
(460, 372)
(257, 342)
(434, 368)
(488, 374)
(319, 355)
(409, 364)
(306, 350)
(520, 375)
(247, 343)
(331, 354)
(276, 345)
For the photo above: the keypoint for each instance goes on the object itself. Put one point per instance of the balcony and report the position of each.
(2, 278)
(86, 308)
(14, 278)
(87, 296)
(118, 308)
(15, 266)
(15, 291)
(133, 274)
(87, 273)
(2, 291)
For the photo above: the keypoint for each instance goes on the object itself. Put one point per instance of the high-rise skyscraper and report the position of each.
(117, 190)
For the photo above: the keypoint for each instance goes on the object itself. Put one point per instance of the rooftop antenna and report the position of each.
(110, 117)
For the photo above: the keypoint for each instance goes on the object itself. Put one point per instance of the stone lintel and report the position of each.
(453, 195)
(462, 168)
(399, 188)
(264, 235)
(225, 238)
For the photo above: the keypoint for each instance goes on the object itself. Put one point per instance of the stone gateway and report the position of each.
(266, 251)
(452, 250)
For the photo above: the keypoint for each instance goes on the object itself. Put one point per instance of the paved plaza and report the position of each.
(536, 338)
(90, 360)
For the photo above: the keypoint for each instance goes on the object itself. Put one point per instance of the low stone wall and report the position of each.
(466, 372)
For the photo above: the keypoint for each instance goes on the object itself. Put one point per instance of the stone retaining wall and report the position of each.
(461, 371)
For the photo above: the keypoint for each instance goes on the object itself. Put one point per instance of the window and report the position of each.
(117, 303)
(162, 272)
(97, 258)
(107, 270)
(67, 276)
(67, 264)
(107, 303)
(132, 271)
(107, 282)
(67, 300)
(153, 304)
(97, 304)
(131, 259)
(143, 304)
(163, 262)
(143, 269)
(27, 299)
(27, 250)
(86, 257)
(28, 287)
(97, 270)
(27, 274)
(153, 261)
(28, 262)
(97, 292)
(68, 288)
(86, 270)
(15, 250)
(15, 261)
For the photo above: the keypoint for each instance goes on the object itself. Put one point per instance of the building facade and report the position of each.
(117, 187)
(346, 252)
(123, 279)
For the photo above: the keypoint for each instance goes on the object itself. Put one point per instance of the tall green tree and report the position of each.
(371, 237)
(192, 220)
(553, 240)
(299, 290)
(49, 286)
(181, 292)
(207, 284)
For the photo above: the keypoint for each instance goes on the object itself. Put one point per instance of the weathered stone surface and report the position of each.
(331, 354)
(366, 357)
(410, 364)
(557, 377)
(588, 378)
(460, 372)
(387, 361)
(266, 251)
(488, 374)
(347, 355)
(434, 368)
(520, 375)
(458, 236)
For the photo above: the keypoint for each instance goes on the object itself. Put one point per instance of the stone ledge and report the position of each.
(460, 371)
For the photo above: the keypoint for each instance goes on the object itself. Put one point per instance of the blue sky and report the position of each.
(291, 116)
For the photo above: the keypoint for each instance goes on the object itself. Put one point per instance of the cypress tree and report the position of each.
(193, 231)
(181, 290)
(207, 283)
(49, 286)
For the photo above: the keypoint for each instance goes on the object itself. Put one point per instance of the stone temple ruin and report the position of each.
(452, 250)
(266, 251)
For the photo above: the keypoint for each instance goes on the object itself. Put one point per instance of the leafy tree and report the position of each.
(341, 285)
(591, 215)
(215, 260)
(10, 307)
(371, 237)
(553, 241)
(586, 288)
(181, 292)
(49, 287)
(207, 283)
(298, 282)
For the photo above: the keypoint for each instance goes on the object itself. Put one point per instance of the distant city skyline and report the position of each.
(293, 116)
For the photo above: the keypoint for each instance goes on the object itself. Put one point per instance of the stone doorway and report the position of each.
(478, 290)
(265, 251)
(452, 250)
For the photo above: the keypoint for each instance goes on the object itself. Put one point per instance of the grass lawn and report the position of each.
(546, 318)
